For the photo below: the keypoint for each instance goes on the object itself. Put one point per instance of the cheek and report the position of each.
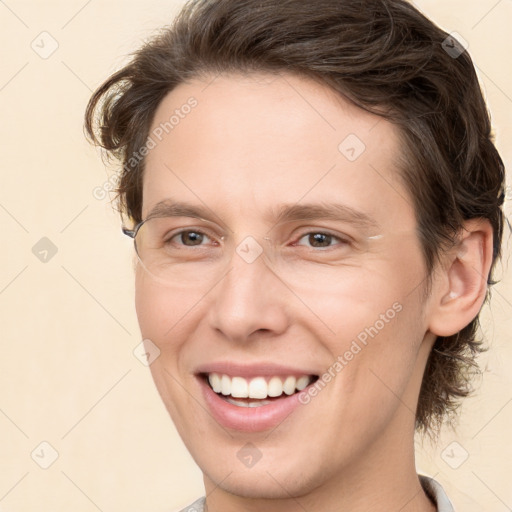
(359, 304)
(167, 316)
(159, 308)
(379, 357)
(158, 314)
(150, 306)
(376, 327)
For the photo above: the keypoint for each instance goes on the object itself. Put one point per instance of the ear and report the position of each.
(461, 283)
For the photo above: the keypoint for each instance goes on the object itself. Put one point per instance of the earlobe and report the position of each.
(461, 286)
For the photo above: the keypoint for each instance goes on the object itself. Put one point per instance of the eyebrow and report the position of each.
(170, 208)
(325, 211)
(282, 214)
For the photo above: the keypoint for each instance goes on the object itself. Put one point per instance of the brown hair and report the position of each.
(385, 57)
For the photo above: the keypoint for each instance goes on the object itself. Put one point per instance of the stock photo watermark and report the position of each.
(156, 136)
(146, 352)
(455, 45)
(356, 346)
(249, 455)
(454, 455)
(44, 455)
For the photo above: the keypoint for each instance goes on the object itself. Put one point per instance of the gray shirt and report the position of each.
(432, 488)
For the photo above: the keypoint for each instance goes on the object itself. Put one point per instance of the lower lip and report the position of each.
(248, 419)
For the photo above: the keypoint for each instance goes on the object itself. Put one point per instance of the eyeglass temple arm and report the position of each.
(129, 232)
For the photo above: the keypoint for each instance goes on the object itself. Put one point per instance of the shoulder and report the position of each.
(197, 506)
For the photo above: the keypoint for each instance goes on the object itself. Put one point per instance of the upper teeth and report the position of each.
(257, 387)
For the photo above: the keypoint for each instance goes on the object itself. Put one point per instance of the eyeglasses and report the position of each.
(176, 254)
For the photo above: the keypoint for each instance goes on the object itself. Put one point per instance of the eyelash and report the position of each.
(341, 240)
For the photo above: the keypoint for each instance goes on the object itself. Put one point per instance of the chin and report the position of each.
(269, 481)
(263, 485)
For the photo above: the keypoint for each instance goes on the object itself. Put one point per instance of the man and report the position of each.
(315, 200)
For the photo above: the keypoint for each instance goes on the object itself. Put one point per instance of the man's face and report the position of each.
(263, 296)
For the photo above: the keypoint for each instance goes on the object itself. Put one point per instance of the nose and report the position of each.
(249, 301)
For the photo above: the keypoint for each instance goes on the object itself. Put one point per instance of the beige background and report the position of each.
(68, 374)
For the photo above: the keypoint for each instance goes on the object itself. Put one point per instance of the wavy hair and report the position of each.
(382, 55)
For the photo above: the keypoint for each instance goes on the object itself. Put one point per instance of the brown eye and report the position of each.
(190, 238)
(319, 240)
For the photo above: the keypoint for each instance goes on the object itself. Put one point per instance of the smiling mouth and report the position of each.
(257, 391)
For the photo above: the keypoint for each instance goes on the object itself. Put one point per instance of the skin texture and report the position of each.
(251, 144)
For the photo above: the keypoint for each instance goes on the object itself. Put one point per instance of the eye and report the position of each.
(189, 238)
(321, 240)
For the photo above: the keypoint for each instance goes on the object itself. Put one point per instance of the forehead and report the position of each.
(249, 143)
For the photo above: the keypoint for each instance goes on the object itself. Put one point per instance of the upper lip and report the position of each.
(262, 369)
